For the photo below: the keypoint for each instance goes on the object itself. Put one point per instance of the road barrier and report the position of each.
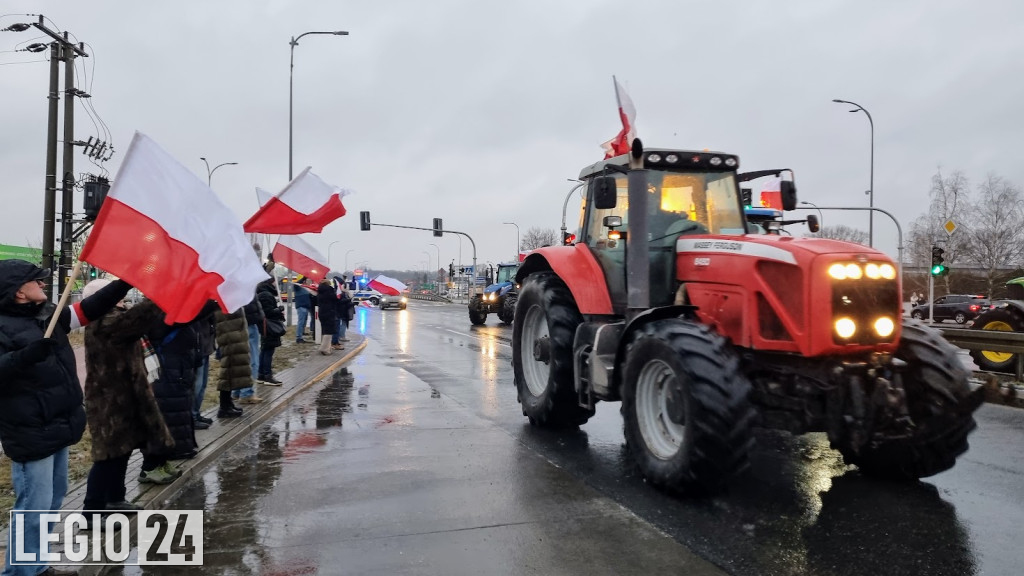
(994, 340)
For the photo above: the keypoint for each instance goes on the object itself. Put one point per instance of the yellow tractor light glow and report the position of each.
(884, 326)
(845, 327)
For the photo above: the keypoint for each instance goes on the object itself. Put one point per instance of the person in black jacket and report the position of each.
(327, 299)
(273, 329)
(41, 411)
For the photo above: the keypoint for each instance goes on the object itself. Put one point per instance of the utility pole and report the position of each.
(67, 167)
(50, 187)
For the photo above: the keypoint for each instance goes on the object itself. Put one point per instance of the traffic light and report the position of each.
(364, 221)
(747, 196)
(451, 270)
(938, 268)
(92, 272)
(438, 227)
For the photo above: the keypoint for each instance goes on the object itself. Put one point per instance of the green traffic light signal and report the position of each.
(940, 270)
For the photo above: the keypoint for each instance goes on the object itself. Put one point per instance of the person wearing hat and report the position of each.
(41, 411)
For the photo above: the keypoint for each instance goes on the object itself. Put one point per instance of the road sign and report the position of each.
(949, 227)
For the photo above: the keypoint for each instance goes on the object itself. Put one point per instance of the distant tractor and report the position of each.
(704, 331)
(498, 298)
(1006, 316)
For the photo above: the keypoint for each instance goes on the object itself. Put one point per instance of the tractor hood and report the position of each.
(782, 248)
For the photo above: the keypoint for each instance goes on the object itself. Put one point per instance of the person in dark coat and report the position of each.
(303, 310)
(233, 350)
(270, 338)
(177, 346)
(119, 405)
(41, 412)
(254, 319)
(206, 333)
(327, 299)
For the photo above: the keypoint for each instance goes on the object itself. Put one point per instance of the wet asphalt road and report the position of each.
(338, 485)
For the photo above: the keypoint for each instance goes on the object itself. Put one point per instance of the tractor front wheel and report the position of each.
(686, 407)
(545, 324)
(476, 315)
(1004, 320)
(508, 309)
(940, 404)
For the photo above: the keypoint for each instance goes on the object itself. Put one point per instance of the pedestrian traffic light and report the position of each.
(938, 268)
(438, 227)
(364, 221)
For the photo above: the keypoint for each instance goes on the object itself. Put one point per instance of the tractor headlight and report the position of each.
(845, 327)
(888, 271)
(854, 272)
(872, 271)
(884, 326)
(837, 271)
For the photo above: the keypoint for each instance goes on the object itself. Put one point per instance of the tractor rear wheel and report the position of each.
(686, 407)
(1005, 320)
(940, 403)
(545, 324)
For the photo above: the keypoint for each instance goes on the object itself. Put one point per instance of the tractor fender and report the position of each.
(638, 322)
(1015, 304)
(578, 269)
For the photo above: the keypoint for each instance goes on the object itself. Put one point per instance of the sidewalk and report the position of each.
(222, 434)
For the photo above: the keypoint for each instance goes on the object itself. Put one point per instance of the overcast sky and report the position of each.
(478, 112)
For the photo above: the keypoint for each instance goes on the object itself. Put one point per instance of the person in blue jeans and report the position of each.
(303, 310)
(41, 411)
(254, 319)
(206, 333)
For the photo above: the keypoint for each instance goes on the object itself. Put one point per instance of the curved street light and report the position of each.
(347, 252)
(871, 189)
(821, 219)
(291, 74)
(329, 246)
(518, 246)
(209, 173)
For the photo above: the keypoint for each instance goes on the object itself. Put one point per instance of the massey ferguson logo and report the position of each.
(718, 245)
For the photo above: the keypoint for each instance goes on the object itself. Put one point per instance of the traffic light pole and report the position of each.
(473, 288)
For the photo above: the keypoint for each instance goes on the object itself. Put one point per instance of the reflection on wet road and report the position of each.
(305, 493)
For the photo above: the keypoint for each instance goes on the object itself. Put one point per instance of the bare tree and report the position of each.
(948, 200)
(538, 238)
(844, 233)
(992, 232)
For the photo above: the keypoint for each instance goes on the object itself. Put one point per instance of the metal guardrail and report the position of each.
(994, 340)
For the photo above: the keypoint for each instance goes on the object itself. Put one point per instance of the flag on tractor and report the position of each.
(627, 114)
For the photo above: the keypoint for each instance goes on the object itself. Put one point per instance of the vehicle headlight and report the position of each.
(853, 272)
(884, 326)
(872, 271)
(845, 327)
(404, 300)
(837, 271)
(888, 271)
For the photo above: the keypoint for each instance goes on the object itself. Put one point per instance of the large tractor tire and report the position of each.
(476, 316)
(940, 403)
(508, 309)
(1005, 320)
(545, 324)
(686, 407)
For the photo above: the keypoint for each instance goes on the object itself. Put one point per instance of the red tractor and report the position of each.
(704, 331)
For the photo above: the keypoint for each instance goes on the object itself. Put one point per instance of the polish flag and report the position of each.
(627, 113)
(300, 256)
(306, 204)
(387, 285)
(162, 230)
(771, 194)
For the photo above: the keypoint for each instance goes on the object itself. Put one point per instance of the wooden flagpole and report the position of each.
(64, 298)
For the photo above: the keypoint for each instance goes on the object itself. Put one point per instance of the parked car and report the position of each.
(372, 295)
(957, 307)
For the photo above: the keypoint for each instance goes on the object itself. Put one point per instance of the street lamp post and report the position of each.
(209, 173)
(291, 74)
(871, 189)
(821, 219)
(347, 252)
(517, 239)
(329, 246)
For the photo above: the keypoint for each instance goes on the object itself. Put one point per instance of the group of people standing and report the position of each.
(333, 297)
(144, 386)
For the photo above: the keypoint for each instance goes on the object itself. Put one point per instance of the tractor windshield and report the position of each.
(700, 202)
(506, 274)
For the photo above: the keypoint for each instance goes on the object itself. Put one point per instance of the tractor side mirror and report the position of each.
(812, 223)
(605, 193)
(787, 189)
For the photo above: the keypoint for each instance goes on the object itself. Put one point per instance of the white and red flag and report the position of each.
(771, 194)
(306, 204)
(162, 230)
(627, 113)
(387, 285)
(300, 256)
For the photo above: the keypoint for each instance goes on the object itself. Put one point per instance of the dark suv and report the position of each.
(957, 307)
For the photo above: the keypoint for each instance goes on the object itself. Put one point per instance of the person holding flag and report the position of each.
(41, 398)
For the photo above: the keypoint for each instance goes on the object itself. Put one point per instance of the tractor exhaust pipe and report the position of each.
(638, 264)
